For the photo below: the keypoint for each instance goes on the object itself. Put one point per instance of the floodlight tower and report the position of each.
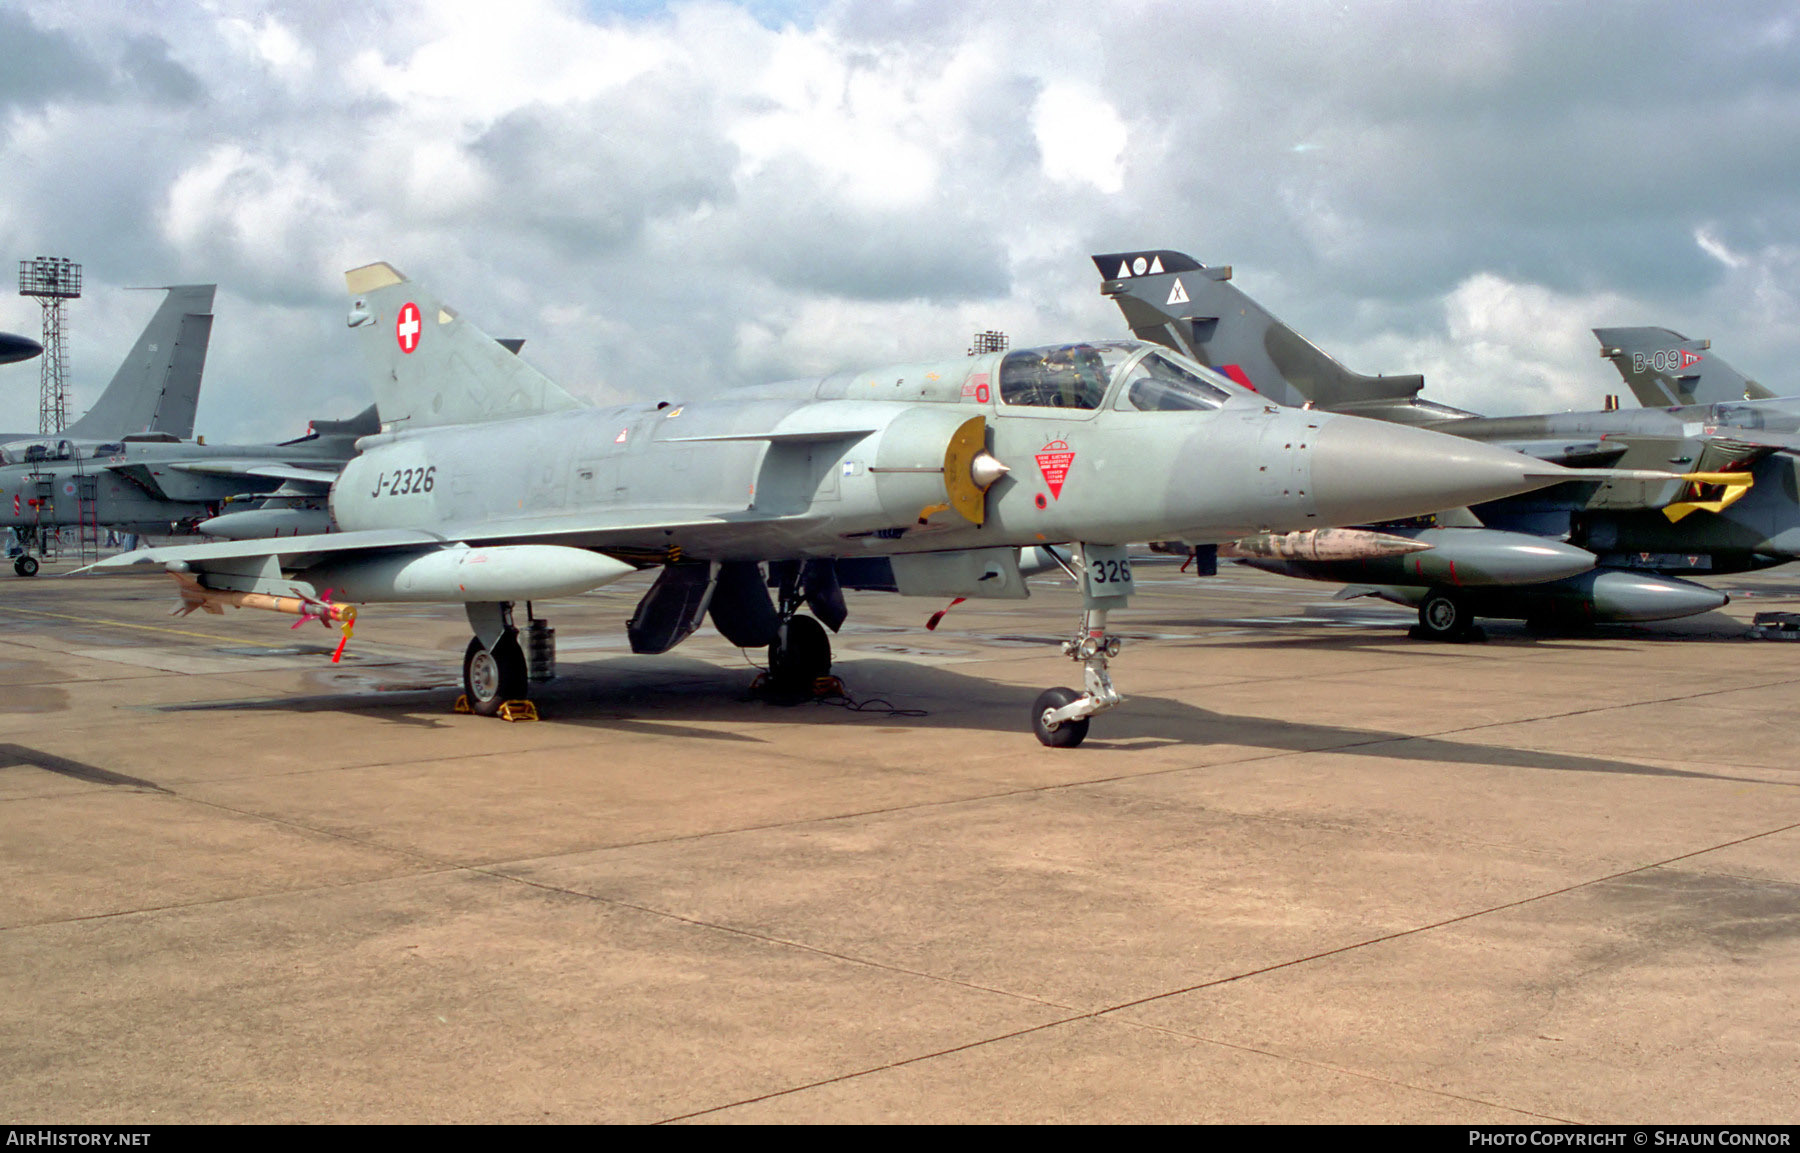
(989, 341)
(52, 279)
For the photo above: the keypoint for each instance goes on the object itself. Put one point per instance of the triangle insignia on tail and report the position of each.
(1178, 294)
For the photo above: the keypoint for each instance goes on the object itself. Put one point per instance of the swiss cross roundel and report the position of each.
(407, 326)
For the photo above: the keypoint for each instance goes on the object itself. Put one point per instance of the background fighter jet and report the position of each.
(15, 348)
(162, 486)
(1575, 553)
(493, 486)
(127, 465)
(156, 388)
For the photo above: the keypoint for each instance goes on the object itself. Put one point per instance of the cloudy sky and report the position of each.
(676, 198)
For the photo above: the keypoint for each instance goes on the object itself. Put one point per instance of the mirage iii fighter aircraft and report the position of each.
(491, 486)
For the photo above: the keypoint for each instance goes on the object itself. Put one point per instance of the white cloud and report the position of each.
(1715, 248)
(1080, 136)
(693, 197)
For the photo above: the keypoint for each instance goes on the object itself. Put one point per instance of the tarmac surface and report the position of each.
(1312, 871)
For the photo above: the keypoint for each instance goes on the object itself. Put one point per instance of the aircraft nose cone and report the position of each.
(1367, 470)
(13, 347)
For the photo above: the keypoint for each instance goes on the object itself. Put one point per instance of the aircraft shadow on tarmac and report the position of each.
(690, 699)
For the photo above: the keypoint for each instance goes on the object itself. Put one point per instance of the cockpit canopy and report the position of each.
(1141, 377)
(46, 451)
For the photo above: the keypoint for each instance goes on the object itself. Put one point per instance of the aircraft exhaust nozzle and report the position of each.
(1323, 544)
(1367, 470)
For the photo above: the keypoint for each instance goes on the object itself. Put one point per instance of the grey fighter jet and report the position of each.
(162, 485)
(127, 465)
(156, 388)
(1612, 551)
(490, 486)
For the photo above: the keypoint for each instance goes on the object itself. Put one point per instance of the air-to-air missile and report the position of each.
(1576, 553)
(489, 485)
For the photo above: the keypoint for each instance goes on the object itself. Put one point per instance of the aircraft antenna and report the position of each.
(52, 279)
(984, 342)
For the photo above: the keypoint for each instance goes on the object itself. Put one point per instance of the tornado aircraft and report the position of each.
(156, 389)
(1612, 550)
(128, 464)
(491, 487)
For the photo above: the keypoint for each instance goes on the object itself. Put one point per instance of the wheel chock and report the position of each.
(509, 710)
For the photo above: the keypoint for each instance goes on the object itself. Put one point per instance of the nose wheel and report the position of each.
(25, 565)
(1057, 734)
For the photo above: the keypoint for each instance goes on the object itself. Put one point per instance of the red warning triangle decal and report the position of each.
(1053, 460)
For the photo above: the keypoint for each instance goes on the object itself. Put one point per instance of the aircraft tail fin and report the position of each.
(157, 387)
(1171, 299)
(430, 367)
(1664, 368)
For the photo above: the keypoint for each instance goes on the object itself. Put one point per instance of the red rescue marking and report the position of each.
(407, 327)
(1053, 460)
(1689, 359)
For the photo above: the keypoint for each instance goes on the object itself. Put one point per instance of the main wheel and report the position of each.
(1445, 616)
(1066, 735)
(491, 677)
(800, 654)
(26, 565)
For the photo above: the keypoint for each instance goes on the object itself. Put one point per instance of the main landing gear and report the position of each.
(1444, 615)
(800, 654)
(27, 538)
(1060, 716)
(501, 662)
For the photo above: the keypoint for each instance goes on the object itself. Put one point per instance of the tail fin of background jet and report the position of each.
(157, 388)
(1664, 368)
(1173, 300)
(430, 367)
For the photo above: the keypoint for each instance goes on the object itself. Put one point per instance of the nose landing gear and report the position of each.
(1059, 716)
